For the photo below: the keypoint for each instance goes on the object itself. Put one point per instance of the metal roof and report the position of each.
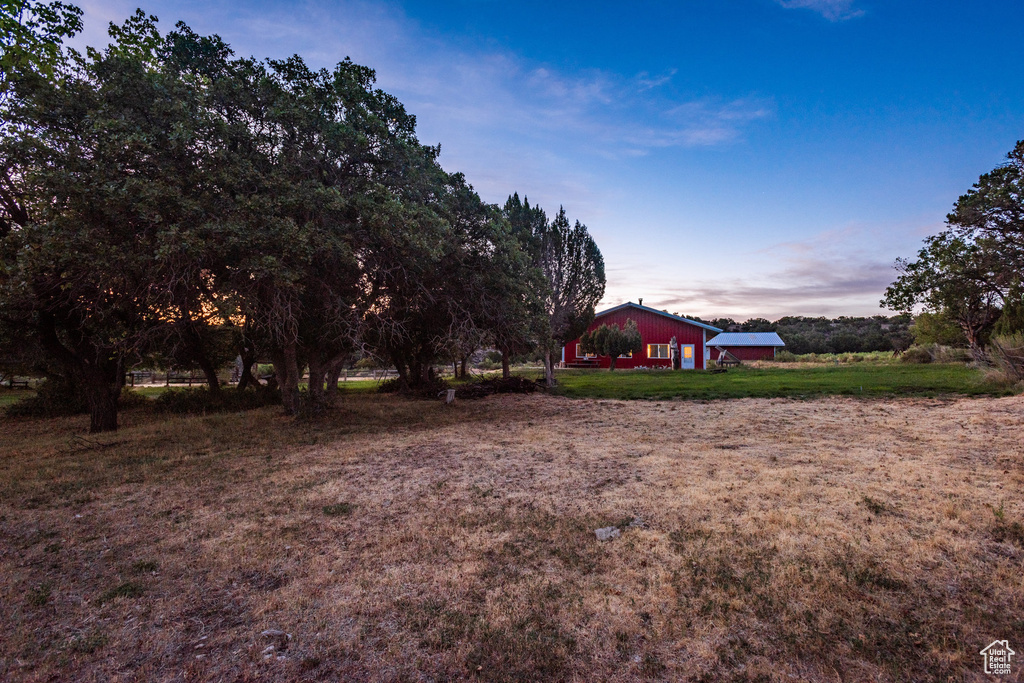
(747, 339)
(630, 304)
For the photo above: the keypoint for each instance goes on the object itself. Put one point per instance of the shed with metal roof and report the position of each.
(746, 345)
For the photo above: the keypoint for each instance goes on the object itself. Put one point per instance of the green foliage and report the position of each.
(496, 385)
(833, 358)
(826, 335)
(992, 213)
(200, 401)
(937, 328)
(916, 354)
(613, 341)
(1011, 321)
(177, 202)
(1007, 352)
(970, 271)
(426, 389)
(57, 396)
(570, 272)
(952, 276)
(855, 379)
(131, 399)
(31, 34)
(573, 268)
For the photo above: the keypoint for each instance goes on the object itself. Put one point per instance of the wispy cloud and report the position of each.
(833, 10)
(835, 272)
(647, 82)
(548, 126)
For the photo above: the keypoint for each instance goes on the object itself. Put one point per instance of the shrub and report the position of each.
(426, 390)
(948, 354)
(56, 397)
(132, 399)
(1007, 353)
(785, 357)
(199, 401)
(498, 385)
(916, 354)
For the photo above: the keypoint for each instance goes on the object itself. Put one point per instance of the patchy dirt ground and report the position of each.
(763, 540)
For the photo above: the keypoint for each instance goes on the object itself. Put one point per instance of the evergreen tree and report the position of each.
(613, 341)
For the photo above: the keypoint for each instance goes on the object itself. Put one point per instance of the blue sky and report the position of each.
(731, 157)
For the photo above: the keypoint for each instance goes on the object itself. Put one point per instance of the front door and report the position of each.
(687, 356)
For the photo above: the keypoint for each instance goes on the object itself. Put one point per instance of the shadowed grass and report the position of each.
(12, 396)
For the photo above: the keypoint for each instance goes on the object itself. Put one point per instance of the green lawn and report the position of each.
(855, 379)
(9, 396)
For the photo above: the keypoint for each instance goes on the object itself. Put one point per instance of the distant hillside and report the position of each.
(824, 335)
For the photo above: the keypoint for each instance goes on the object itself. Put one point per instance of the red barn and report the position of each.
(657, 329)
(746, 345)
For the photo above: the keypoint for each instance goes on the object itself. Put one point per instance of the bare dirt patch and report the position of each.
(762, 540)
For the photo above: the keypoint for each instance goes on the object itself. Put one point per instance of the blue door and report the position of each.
(687, 357)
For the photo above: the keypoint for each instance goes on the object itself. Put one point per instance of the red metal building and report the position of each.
(657, 329)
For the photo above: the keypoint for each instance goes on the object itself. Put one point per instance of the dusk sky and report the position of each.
(731, 157)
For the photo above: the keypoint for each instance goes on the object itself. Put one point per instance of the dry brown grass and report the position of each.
(827, 540)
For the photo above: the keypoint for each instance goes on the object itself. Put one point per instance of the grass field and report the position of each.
(867, 379)
(10, 396)
(829, 539)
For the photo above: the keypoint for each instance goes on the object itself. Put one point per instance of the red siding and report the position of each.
(654, 329)
(747, 352)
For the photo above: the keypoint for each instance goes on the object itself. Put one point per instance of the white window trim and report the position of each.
(665, 357)
(627, 355)
(586, 355)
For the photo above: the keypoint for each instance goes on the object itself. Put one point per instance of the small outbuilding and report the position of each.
(745, 345)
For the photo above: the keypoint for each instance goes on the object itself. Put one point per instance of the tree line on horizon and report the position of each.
(845, 334)
(164, 199)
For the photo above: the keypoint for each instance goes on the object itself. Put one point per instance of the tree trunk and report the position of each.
(549, 370)
(974, 342)
(333, 375)
(211, 375)
(100, 383)
(246, 377)
(455, 369)
(287, 370)
(402, 369)
(102, 410)
(317, 371)
(505, 371)
(101, 396)
(611, 365)
(249, 357)
(465, 362)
